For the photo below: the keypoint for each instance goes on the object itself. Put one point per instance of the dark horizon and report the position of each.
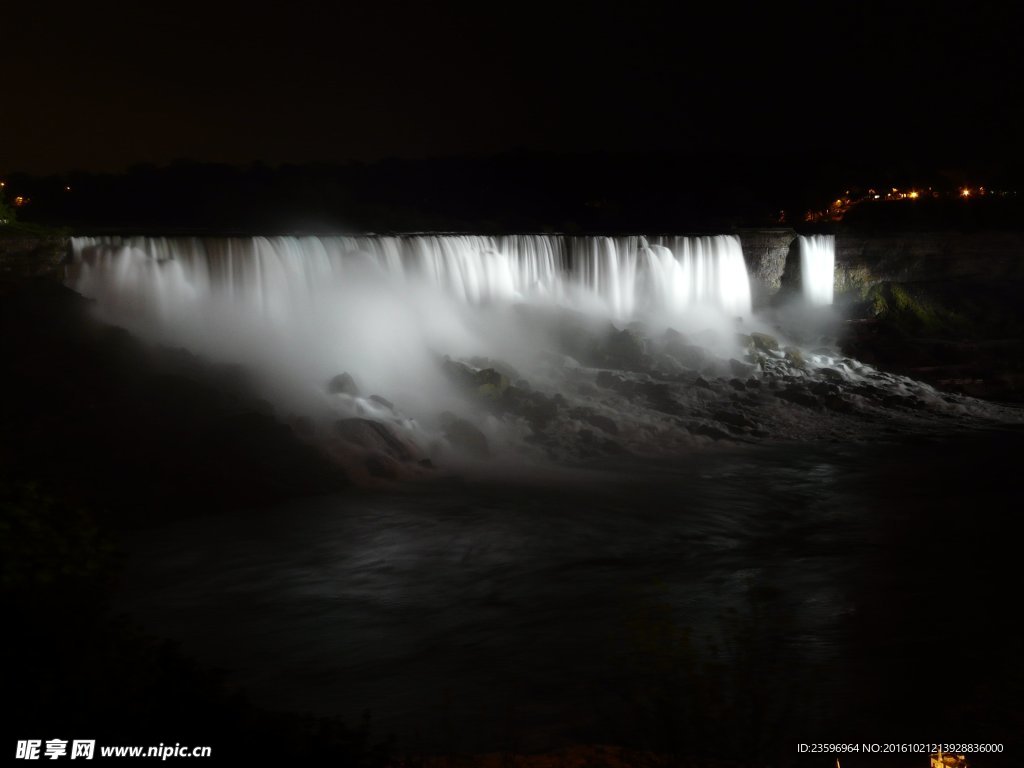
(101, 89)
(516, 191)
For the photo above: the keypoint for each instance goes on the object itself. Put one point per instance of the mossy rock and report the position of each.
(486, 383)
(914, 310)
(764, 342)
(795, 356)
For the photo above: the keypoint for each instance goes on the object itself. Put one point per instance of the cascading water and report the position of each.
(627, 277)
(297, 311)
(817, 268)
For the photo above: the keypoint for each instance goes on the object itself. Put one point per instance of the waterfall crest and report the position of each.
(627, 277)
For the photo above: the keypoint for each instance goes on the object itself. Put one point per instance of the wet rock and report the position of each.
(375, 436)
(595, 419)
(708, 430)
(823, 388)
(831, 373)
(739, 368)
(734, 419)
(626, 350)
(737, 385)
(343, 384)
(609, 380)
(690, 355)
(672, 336)
(536, 407)
(660, 396)
(464, 435)
(795, 357)
(764, 342)
(484, 363)
(836, 402)
(798, 395)
(383, 401)
(896, 401)
(666, 364)
(486, 383)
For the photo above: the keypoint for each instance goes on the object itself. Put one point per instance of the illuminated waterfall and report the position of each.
(817, 267)
(386, 309)
(627, 277)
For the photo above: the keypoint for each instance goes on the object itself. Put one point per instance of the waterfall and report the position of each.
(626, 277)
(817, 267)
(386, 309)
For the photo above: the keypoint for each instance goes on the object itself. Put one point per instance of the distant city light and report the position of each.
(67, 189)
(837, 209)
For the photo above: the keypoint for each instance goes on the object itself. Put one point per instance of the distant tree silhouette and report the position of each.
(6, 211)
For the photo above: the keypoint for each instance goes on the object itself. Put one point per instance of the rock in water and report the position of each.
(343, 384)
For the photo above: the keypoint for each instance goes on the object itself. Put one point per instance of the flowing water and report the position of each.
(817, 268)
(726, 603)
(731, 605)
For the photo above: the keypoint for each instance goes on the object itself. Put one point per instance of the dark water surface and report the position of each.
(733, 602)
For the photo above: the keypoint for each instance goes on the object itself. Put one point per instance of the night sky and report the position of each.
(103, 86)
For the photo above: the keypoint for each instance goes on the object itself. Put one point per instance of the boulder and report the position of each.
(343, 384)
(486, 383)
(764, 342)
(795, 356)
